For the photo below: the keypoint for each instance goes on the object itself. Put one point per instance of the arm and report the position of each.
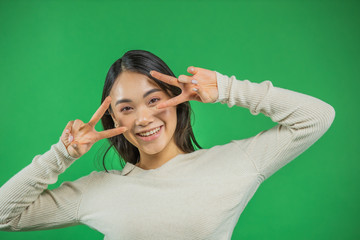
(25, 202)
(302, 119)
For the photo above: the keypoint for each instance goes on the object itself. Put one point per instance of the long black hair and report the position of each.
(141, 61)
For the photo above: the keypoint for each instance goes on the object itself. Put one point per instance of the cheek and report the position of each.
(129, 135)
(129, 122)
(170, 117)
(125, 121)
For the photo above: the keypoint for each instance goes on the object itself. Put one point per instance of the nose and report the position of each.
(144, 116)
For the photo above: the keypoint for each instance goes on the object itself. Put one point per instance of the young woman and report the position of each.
(167, 189)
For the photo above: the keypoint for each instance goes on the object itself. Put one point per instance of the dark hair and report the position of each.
(141, 61)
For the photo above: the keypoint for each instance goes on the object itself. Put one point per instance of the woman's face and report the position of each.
(134, 97)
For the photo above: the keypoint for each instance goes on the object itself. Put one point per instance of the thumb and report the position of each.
(73, 150)
(74, 145)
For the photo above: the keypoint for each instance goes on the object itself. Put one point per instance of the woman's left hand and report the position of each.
(205, 85)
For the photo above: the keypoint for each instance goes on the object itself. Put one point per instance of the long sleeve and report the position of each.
(302, 120)
(27, 205)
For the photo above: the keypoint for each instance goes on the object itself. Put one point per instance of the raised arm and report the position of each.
(26, 203)
(302, 119)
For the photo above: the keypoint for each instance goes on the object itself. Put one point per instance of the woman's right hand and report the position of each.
(78, 137)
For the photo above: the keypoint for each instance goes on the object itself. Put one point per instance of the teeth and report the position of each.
(149, 133)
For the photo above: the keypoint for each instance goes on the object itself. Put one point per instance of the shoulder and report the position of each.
(95, 176)
(94, 179)
(234, 146)
(230, 150)
(223, 160)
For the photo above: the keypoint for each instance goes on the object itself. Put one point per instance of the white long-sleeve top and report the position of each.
(198, 195)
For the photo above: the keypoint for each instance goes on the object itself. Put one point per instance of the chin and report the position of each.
(152, 150)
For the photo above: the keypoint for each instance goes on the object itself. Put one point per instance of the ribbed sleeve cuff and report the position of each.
(224, 85)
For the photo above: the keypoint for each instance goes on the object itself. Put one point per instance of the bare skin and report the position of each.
(78, 137)
(206, 86)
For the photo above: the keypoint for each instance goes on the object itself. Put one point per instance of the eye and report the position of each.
(155, 99)
(123, 109)
(151, 101)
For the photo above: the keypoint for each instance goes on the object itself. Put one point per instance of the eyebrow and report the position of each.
(144, 96)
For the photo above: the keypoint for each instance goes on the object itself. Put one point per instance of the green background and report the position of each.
(55, 56)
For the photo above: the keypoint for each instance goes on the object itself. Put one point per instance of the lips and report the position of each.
(149, 130)
(152, 137)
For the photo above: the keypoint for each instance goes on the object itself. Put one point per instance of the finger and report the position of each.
(66, 133)
(100, 111)
(187, 79)
(172, 102)
(67, 130)
(77, 124)
(70, 138)
(202, 94)
(165, 78)
(68, 127)
(111, 133)
(192, 70)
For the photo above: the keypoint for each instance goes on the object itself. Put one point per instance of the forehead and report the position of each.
(132, 83)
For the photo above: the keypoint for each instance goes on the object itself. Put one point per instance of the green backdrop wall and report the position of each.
(55, 56)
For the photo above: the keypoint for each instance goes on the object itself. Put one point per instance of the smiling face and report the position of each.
(134, 97)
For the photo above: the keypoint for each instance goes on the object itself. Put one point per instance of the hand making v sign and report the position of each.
(203, 80)
(78, 137)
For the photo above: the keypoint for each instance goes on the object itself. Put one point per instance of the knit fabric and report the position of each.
(198, 195)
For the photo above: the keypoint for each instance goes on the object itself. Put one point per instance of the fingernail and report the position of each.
(71, 138)
(67, 130)
(181, 79)
(195, 89)
(74, 145)
(194, 81)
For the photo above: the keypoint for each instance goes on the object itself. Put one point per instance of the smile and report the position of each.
(151, 135)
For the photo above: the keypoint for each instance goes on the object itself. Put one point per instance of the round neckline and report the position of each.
(129, 167)
(162, 166)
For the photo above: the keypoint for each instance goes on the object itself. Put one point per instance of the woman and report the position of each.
(166, 190)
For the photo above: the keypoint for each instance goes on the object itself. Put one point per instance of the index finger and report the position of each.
(172, 102)
(165, 78)
(100, 111)
(111, 132)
